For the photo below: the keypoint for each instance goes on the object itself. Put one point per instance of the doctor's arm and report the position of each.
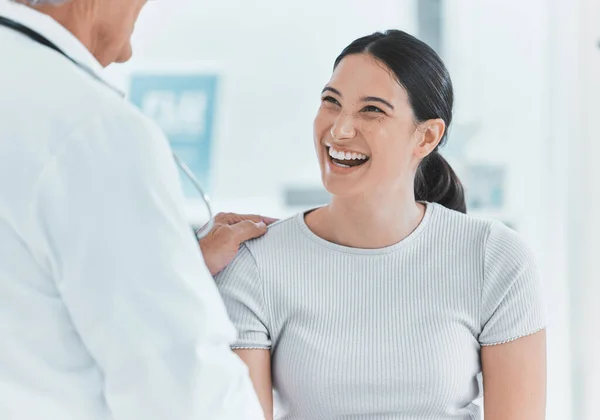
(133, 280)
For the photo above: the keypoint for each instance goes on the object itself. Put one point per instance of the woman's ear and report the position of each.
(432, 132)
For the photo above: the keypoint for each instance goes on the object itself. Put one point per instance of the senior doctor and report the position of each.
(107, 310)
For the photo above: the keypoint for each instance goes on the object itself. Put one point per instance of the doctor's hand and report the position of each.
(221, 245)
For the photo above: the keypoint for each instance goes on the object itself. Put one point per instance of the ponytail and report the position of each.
(436, 182)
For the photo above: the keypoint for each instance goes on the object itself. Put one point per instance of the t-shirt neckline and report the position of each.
(430, 209)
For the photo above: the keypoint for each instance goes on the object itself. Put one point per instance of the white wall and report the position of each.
(563, 127)
(504, 63)
(585, 209)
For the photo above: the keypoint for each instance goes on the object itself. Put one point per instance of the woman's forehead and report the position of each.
(364, 75)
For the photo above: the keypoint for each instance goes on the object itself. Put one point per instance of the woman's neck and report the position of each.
(367, 222)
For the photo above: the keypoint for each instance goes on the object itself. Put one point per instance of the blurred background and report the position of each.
(235, 84)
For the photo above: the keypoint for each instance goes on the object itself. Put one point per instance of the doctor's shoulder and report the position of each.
(115, 128)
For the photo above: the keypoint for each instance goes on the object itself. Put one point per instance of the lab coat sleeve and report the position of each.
(131, 276)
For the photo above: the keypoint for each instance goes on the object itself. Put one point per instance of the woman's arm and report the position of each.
(259, 365)
(514, 379)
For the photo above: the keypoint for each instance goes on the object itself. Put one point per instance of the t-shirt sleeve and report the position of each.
(511, 298)
(242, 290)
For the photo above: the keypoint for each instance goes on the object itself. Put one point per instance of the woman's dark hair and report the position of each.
(423, 74)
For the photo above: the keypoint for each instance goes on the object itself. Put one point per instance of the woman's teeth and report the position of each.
(339, 155)
(346, 159)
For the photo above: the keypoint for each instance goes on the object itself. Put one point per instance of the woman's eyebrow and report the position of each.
(363, 99)
(330, 89)
(377, 99)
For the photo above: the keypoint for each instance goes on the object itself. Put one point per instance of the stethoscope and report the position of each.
(40, 39)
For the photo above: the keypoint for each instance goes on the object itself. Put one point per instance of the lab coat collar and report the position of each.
(57, 34)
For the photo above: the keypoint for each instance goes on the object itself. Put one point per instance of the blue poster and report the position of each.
(183, 105)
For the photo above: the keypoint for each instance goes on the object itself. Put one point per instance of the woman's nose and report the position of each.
(343, 128)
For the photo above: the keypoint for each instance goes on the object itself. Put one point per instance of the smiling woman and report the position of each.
(390, 301)
(417, 100)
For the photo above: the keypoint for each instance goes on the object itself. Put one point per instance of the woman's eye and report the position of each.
(330, 99)
(371, 108)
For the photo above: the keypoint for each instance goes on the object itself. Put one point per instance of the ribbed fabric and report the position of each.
(392, 333)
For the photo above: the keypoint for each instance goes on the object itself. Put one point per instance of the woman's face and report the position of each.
(365, 132)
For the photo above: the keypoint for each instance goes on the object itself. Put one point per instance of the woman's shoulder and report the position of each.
(457, 223)
(506, 248)
(282, 234)
(257, 253)
(502, 246)
(494, 235)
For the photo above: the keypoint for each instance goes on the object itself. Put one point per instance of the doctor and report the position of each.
(106, 308)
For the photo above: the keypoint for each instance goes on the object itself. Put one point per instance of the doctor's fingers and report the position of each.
(233, 218)
(246, 230)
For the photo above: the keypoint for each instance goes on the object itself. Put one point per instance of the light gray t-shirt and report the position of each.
(392, 333)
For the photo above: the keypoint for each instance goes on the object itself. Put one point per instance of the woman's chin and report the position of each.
(341, 188)
(343, 181)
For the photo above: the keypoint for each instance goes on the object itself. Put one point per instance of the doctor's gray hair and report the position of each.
(40, 2)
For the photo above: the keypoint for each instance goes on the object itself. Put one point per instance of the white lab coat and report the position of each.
(107, 310)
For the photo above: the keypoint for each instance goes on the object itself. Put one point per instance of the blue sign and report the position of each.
(183, 105)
